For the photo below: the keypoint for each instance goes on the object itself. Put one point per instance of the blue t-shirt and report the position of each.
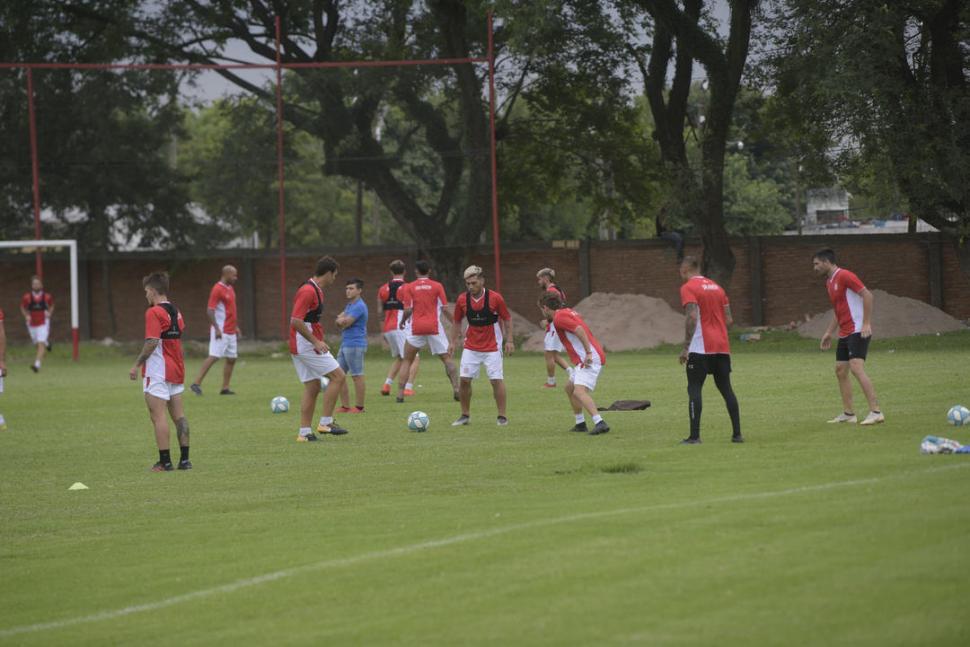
(356, 333)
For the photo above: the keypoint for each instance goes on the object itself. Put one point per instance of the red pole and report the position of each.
(279, 171)
(34, 168)
(491, 131)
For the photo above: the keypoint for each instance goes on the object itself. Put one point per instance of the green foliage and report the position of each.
(752, 206)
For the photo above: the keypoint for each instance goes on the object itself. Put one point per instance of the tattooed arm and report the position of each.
(146, 352)
(690, 325)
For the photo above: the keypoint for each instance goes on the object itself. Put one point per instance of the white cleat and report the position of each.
(844, 417)
(873, 418)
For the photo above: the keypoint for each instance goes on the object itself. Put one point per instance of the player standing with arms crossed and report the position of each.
(489, 324)
(353, 346)
(391, 307)
(223, 330)
(588, 357)
(852, 304)
(423, 301)
(706, 347)
(311, 355)
(163, 369)
(37, 307)
(553, 346)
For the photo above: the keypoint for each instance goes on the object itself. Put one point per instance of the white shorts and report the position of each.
(472, 360)
(437, 343)
(225, 347)
(312, 366)
(586, 376)
(39, 334)
(552, 341)
(162, 389)
(395, 339)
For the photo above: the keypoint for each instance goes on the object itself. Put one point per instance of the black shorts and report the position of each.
(700, 365)
(852, 347)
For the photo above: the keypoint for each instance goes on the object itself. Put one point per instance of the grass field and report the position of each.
(807, 534)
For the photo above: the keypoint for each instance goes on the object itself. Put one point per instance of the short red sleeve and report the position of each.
(26, 300)
(215, 296)
(384, 292)
(50, 298)
(305, 301)
(460, 306)
(500, 308)
(442, 295)
(686, 295)
(404, 294)
(565, 321)
(1, 314)
(153, 325)
(851, 281)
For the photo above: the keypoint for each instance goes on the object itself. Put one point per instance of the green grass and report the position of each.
(806, 534)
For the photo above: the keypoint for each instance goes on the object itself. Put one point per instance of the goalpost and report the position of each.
(47, 244)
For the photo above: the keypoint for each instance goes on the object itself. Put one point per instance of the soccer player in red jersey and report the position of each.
(546, 278)
(852, 304)
(423, 300)
(223, 330)
(588, 359)
(3, 364)
(311, 355)
(706, 347)
(163, 369)
(37, 307)
(489, 331)
(390, 305)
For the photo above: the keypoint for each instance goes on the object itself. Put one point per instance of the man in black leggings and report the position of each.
(706, 347)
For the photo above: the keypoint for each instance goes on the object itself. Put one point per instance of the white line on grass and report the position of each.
(437, 543)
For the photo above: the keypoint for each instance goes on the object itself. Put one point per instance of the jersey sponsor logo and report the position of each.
(421, 287)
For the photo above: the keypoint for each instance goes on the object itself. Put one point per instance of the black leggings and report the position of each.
(698, 367)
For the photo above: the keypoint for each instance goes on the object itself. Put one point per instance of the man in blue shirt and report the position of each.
(353, 346)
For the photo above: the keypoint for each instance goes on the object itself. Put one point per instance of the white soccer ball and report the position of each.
(418, 421)
(958, 415)
(279, 404)
(324, 382)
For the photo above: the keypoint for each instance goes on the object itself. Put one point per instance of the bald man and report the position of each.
(223, 330)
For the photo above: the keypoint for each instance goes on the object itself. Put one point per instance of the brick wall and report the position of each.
(900, 264)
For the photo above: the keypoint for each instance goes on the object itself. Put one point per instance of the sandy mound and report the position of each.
(893, 317)
(523, 327)
(625, 322)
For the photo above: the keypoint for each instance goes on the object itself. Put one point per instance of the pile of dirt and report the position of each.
(893, 316)
(522, 326)
(625, 322)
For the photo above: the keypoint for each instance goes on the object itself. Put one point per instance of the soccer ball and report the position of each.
(418, 421)
(279, 404)
(958, 415)
(324, 382)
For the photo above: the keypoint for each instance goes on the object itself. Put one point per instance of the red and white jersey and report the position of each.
(392, 317)
(711, 335)
(166, 364)
(38, 305)
(844, 292)
(426, 298)
(567, 321)
(1, 314)
(558, 291)
(222, 299)
(309, 300)
(484, 339)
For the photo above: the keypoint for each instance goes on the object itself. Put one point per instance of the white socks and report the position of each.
(305, 431)
(389, 382)
(408, 387)
(326, 420)
(551, 381)
(580, 419)
(597, 419)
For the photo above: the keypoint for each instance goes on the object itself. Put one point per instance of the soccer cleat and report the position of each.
(580, 427)
(873, 418)
(461, 421)
(185, 465)
(162, 467)
(357, 410)
(600, 428)
(399, 399)
(502, 421)
(691, 441)
(344, 410)
(333, 429)
(227, 392)
(737, 439)
(308, 438)
(408, 392)
(34, 368)
(196, 389)
(844, 417)
(548, 386)
(386, 389)
(50, 346)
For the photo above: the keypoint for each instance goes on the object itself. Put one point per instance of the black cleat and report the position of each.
(185, 465)
(196, 389)
(502, 421)
(162, 467)
(227, 392)
(737, 439)
(309, 438)
(600, 428)
(461, 421)
(50, 346)
(333, 429)
(34, 368)
(580, 427)
(691, 441)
